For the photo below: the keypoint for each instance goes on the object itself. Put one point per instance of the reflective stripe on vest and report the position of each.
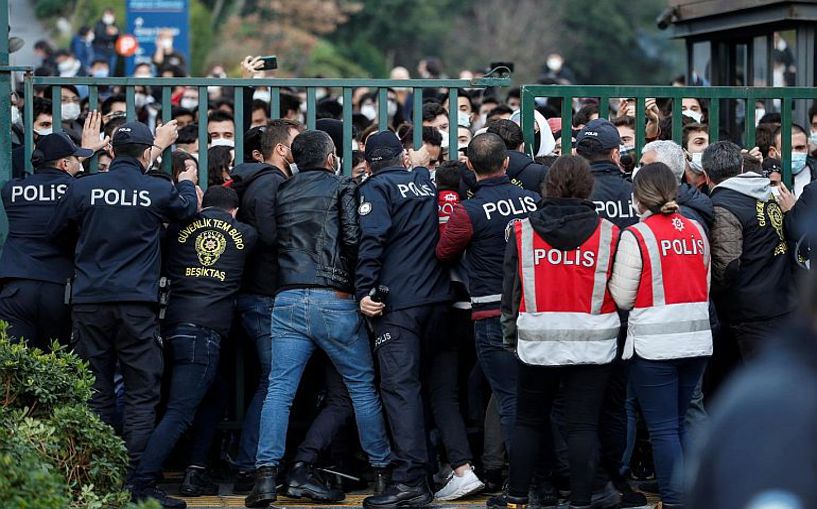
(587, 332)
(487, 299)
(657, 329)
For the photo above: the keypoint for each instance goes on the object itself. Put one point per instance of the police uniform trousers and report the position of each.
(127, 332)
(35, 312)
(402, 337)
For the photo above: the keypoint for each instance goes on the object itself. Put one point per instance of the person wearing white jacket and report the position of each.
(661, 274)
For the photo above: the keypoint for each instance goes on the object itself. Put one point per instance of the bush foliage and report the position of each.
(54, 451)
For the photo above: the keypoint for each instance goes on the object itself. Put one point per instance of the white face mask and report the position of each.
(140, 100)
(696, 159)
(812, 139)
(188, 103)
(261, 95)
(463, 119)
(392, 108)
(368, 111)
(15, 115)
(759, 113)
(222, 142)
(70, 111)
(293, 168)
(44, 132)
(694, 115)
(554, 64)
(108, 19)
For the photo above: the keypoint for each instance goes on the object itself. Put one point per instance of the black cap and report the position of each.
(133, 133)
(603, 131)
(382, 146)
(56, 146)
(334, 128)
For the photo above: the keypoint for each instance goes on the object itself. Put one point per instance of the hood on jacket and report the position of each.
(244, 173)
(518, 162)
(749, 184)
(565, 223)
(697, 201)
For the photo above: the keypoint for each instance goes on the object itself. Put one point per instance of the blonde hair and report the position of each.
(656, 189)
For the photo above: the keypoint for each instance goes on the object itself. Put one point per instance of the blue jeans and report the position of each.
(194, 354)
(303, 320)
(255, 312)
(500, 368)
(664, 390)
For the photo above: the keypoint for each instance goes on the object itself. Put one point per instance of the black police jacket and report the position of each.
(399, 231)
(524, 172)
(256, 185)
(613, 194)
(204, 260)
(481, 226)
(29, 251)
(118, 216)
(763, 273)
(317, 231)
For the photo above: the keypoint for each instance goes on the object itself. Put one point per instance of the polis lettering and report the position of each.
(42, 193)
(510, 207)
(557, 257)
(411, 187)
(121, 197)
(615, 209)
(682, 246)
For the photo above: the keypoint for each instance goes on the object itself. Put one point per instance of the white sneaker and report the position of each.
(458, 487)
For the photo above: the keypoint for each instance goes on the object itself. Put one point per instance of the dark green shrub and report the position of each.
(25, 480)
(51, 8)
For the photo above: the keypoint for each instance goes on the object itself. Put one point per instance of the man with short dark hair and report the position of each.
(115, 291)
(522, 170)
(398, 221)
(260, 113)
(479, 227)
(256, 185)
(803, 168)
(33, 267)
(204, 260)
(42, 126)
(434, 115)
(750, 254)
(221, 128)
(318, 237)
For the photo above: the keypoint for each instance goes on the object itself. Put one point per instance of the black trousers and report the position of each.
(753, 337)
(129, 333)
(583, 389)
(35, 312)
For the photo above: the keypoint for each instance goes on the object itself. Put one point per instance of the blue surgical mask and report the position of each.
(798, 162)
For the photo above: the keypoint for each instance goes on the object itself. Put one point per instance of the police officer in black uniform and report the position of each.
(398, 221)
(599, 143)
(205, 259)
(34, 268)
(118, 216)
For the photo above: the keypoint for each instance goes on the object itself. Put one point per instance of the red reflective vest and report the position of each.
(670, 319)
(566, 315)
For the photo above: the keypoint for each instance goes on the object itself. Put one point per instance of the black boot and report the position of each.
(401, 495)
(506, 501)
(263, 493)
(302, 481)
(382, 479)
(152, 492)
(197, 483)
(244, 481)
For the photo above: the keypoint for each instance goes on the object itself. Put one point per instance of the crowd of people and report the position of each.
(459, 299)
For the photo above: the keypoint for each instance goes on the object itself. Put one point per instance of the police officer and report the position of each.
(480, 227)
(34, 267)
(205, 261)
(118, 216)
(559, 313)
(398, 221)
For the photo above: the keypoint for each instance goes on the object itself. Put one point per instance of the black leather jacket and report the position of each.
(317, 231)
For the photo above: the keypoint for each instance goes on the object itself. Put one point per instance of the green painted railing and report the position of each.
(240, 87)
(715, 95)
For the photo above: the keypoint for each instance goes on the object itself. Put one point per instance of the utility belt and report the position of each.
(164, 294)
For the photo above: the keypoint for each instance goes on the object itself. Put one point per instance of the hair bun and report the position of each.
(670, 207)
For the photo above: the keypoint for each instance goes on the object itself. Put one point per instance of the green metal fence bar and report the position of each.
(567, 126)
(749, 124)
(527, 117)
(311, 114)
(640, 127)
(5, 104)
(453, 124)
(130, 104)
(274, 102)
(93, 104)
(167, 116)
(785, 138)
(417, 117)
(677, 121)
(238, 118)
(203, 136)
(714, 120)
(604, 107)
(347, 132)
(28, 120)
(56, 108)
(382, 109)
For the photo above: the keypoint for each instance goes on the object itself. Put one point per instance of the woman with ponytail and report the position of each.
(661, 274)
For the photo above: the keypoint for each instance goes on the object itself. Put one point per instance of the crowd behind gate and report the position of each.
(538, 329)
